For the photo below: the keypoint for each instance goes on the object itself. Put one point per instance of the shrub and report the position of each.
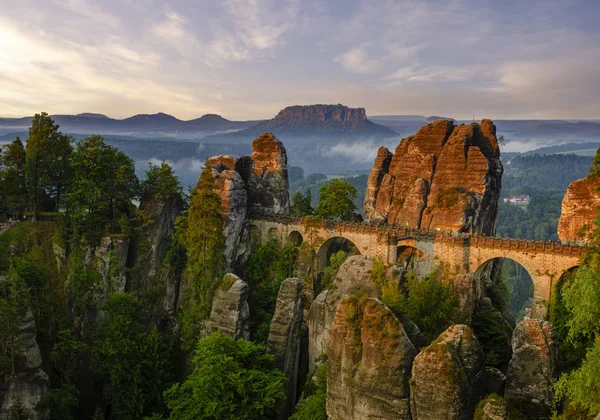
(232, 379)
(430, 302)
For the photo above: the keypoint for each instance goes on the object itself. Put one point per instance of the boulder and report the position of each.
(533, 369)
(446, 376)
(230, 311)
(445, 176)
(26, 388)
(285, 337)
(369, 363)
(492, 407)
(579, 208)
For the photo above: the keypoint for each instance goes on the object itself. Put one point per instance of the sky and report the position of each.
(247, 59)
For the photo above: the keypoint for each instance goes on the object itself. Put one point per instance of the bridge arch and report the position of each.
(296, 238)
(333, 245)
(518, 280)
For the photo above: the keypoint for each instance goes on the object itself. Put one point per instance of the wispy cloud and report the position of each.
(356, 61)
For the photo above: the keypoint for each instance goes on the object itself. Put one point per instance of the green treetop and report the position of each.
(204, 237)
(232, 379)
(103, 185)
(302, 204)
(160, 182)
(47, 161)
(336, 200)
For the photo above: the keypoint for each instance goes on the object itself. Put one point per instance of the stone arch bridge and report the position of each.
(545, 262)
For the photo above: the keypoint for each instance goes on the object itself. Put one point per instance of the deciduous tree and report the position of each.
(335, 200)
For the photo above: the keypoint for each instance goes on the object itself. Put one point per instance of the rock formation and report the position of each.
(445, 176)
(579, 208)
(258, 182)
(265, 174)
(533, 369)
(284, 337)
(230, 311)
(353, 276)
(492, 407)
(26, 388)
(320, 120)
(148, 249)
(445, 376)
(368, 367)
(234, 200)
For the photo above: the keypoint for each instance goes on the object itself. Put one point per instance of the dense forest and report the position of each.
(117, 341)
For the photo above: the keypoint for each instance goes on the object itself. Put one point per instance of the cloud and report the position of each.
(361, 152)
(356, 61)
(246, 59)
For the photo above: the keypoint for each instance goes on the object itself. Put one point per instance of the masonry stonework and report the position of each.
(545, 262)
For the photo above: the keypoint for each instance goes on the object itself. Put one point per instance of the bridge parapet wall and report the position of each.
(463, 253)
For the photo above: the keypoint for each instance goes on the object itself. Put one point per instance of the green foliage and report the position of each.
(134, 361)
(499, 292)
(497, 401)
(302, 204)
(232, 379)
(520, 286)
(330, 272)
(581, 387)
(160, 182)
(47, 162)
(582, 300)
(63, 400)
(104, 183)
(539, 221)
(14, 300)
(312, 407)
(268, 266)
(430, 302)
(577, 309)
(493, 336)
(13, 190)
(335, 200)
(205, 241)
(378, 274)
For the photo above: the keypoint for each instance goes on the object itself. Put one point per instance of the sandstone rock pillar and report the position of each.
(284, 338)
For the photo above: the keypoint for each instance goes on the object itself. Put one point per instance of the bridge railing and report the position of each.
(401, 232)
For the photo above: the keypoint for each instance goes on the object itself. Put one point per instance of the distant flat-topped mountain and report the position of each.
(317, 121)
(143, 124)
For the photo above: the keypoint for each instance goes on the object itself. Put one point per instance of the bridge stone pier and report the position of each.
(545, 262)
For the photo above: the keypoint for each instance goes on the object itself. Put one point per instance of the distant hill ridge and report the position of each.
(141, 123)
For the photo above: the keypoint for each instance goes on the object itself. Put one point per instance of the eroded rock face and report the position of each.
(149, 249)
(259, 183)
(230, 311)
(234, 200)
(370, 357)
(445, 176)
(266, 176)
(30, 382)
(579, 208)
(353, 276)
(445, 376)
(285, 336)
(533, 369)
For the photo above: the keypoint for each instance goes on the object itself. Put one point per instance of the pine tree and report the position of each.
(205, 239)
